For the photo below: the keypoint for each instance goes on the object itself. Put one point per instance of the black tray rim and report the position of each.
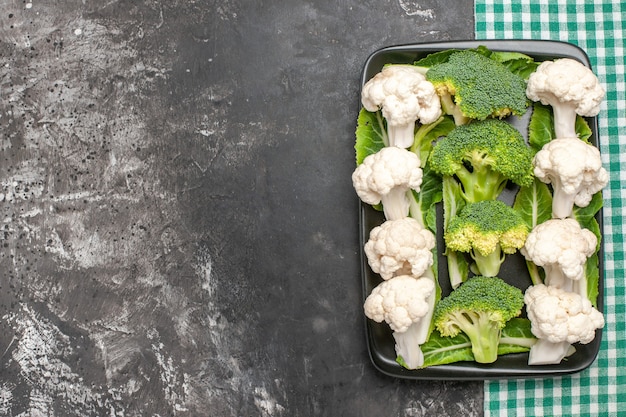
(472, 371)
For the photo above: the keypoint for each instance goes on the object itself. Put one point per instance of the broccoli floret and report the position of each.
(480, 308)
(487, 230)
(472, 86)
(483, 156)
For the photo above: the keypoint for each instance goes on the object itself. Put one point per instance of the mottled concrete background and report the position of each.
(178, 228)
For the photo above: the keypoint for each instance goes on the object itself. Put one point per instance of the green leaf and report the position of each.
(371, 134)
(540, 127)
(582, 128)
(439, 350)
(435, 58)
(422, 206)
(592, 274)
(534, 203)
(453, 202)
(516, 337)
(586, 217)
(423, 202)
(505, 56)
(517, 62)
(521, 66)
(428, 134)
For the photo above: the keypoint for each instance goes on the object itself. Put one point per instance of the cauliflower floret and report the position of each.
(574, 168)
(403, 303)
(401, 247)
(404, 96)
(570, 88)
(558, 319)
(387, 176)
(561, 247)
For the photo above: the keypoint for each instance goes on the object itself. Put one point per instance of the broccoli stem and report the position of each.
(420, 146)
(488, 265)
(483, 332)
(481, 183)
(449, 107)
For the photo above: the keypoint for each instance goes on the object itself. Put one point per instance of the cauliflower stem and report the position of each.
(396, 203)
(562, 201)
(408, 344)
(401, 135)
(564, 118)
(544, 352)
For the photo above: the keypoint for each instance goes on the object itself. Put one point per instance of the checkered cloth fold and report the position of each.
(598, 27)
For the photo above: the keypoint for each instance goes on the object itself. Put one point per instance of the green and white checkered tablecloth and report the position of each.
(599, 28)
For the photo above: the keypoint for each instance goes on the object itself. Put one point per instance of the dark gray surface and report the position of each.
(179, 229)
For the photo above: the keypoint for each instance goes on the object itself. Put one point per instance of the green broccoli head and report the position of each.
(487, 230)
(480, 308)
(483, 156)
(473, 86)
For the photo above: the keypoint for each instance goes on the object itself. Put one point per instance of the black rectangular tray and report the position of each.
(379, 336)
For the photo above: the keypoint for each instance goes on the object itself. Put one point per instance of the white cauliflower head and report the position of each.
(404, 96)
(574, 168)
(561, 316)
(400, 301)
(386, 176)
(400, 247)
(561, 247)
(570, 88)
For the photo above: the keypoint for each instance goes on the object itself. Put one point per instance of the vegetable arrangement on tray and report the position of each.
(437, 133)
